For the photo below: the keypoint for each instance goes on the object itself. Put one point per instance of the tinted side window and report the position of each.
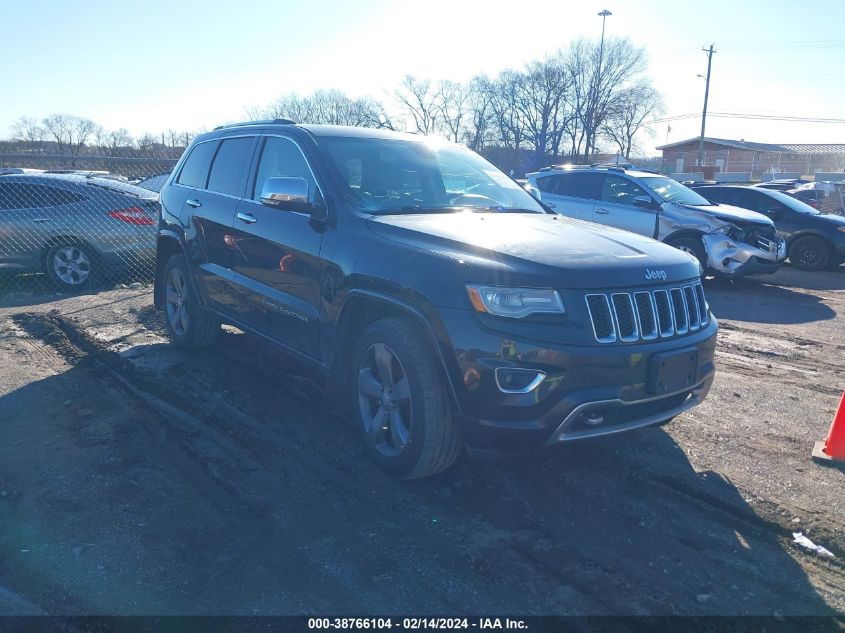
(721, 196)
(195, 170)
(547, 184)
(751, 200)
(618, 190)
(584, 185)
(281, 157)
(14, 195)
(231, 166)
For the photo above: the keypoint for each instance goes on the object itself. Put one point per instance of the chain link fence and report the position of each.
(71, 224)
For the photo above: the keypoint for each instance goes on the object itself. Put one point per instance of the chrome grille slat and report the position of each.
(665, 314)
(601, 318)
(623, 313)
(644, 315)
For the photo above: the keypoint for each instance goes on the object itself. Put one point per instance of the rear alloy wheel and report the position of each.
(809, 253)
(188, 322)
(70, 266)
(404, 411)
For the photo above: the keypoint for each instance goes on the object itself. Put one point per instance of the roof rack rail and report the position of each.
(564, 166)
(257, 122)
(612, 166)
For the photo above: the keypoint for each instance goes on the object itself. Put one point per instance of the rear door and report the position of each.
(277, 272)
(30, 215)
(571, 193)
(213, 179)
(617, 208)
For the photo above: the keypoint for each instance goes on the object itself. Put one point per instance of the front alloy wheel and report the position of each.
(401, 399)
(384, 398)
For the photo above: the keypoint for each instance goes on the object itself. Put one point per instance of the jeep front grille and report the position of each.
(647, 314)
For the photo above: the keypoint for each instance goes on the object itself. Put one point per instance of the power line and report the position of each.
(741, 115)
(810, 44)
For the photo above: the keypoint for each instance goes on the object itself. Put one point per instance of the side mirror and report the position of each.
(285, 193)
(290, 194)
(644, 201)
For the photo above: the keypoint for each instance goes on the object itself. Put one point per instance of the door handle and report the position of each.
(602, 211)
(41, 219)
(247, 217)
(193, 203)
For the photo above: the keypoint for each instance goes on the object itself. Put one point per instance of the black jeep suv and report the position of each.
(435, 295)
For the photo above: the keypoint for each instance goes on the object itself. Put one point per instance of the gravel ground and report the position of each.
(136, 478)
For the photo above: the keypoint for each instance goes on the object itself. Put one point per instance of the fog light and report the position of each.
(513, 380)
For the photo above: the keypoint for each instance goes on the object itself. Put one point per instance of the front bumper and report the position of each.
(732, 258)
(588, 390)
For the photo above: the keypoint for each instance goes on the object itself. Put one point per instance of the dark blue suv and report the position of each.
(438, 299)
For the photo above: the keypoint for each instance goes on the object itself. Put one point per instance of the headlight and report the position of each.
(515, 302)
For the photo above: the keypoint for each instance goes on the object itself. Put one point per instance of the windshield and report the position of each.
(793, 203)
(673, 191)
(383, 176)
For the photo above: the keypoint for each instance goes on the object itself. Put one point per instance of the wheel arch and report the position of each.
(681, 233)
(168, 244)
(362, 307)
(809, 233)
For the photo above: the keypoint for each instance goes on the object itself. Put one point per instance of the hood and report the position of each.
(730, 213)
(829, 219)
(539, 249)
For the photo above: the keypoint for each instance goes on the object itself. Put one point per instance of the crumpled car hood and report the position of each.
(733, 214)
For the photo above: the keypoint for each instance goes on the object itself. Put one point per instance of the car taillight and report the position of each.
(132, 215)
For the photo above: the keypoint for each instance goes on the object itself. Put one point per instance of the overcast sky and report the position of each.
(151, 65)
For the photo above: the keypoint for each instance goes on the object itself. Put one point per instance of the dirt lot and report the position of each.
(136, 478)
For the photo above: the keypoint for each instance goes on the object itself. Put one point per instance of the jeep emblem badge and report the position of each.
(655, 274)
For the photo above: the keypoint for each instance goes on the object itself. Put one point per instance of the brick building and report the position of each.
(725, 155)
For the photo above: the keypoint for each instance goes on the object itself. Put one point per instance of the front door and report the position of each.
(617, 208)
(277, 274)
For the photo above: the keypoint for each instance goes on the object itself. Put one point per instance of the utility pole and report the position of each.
(709, 52)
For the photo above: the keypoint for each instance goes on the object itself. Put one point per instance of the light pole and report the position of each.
(603, 15)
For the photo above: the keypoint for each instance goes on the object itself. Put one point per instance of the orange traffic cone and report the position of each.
(832, 450)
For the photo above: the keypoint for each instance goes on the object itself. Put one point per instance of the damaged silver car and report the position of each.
(727, 241)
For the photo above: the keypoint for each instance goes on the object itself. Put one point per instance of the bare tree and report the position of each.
(628, 113)
(480, 117)
(146, 142)
(607, 73)
(70, 133)
(330, 107)
(508, 120)
(27, 130)
(419, 100)
(541, 104)
(454, 108)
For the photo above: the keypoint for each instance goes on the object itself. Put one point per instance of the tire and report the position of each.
(408, 430)
(809, 253)
(694, 246)
(71, 265)
(189, 324)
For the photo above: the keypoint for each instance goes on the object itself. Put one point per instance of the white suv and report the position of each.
(727, 241)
